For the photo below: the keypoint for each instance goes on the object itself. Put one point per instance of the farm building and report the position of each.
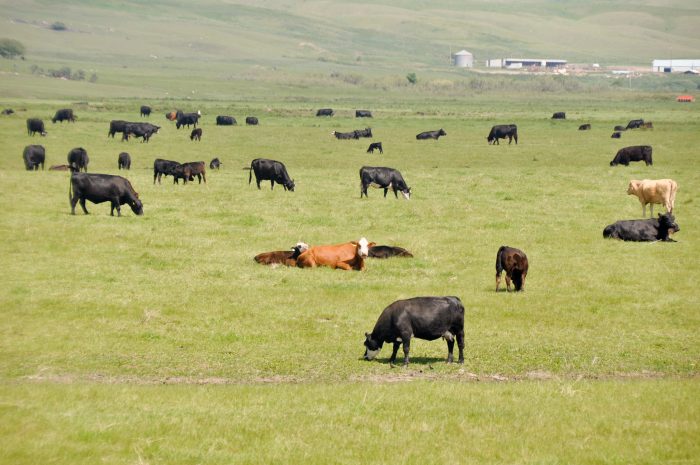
(463, 59)
(514, 63)
(675, 66)
(685, 98)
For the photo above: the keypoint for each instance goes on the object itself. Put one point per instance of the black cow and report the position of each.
(386, 251)
(187, 171)
(559, 115)
(635, 123)
(98, 188)
(501, 131)
(345, 135)
(163, 168)
(584, 127)
(649, 230)
(514, 262)
(35, 125)
(251, 120)
(78, 159)
(426, 318)
(124, 161)
(33, 156)
(64, 115)
(635, 153)
(145, 110)
(186, 119)
(325, 112)
(431, 134)
(115, 126)
(273, 170)
(383, 178)
(375, 146)
(616, 135)
(225, 120)
(196, 134)
(8, 111)
(366, 132)
(363, 114)
(215, 164)
(143, 130)
(619, 128)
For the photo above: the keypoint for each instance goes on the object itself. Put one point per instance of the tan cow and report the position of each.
(651, 191)
(347, 256)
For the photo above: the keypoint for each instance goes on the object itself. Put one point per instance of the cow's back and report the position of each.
(429, 317)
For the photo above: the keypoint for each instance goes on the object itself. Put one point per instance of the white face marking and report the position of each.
(364, 249)
(406, 195)
(371, 354)
(302, 246)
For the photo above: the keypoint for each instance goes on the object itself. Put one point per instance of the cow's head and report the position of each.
(43, 133)
(363, 247)
(442, 132)
(136, 206)
(372, 347)
(290, 185)
(490, 139)
(633, 187)
(300, 248)
(667, 225)
(406, 193)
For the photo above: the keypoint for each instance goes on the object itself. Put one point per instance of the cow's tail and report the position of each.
(499, 265)
(250, 173)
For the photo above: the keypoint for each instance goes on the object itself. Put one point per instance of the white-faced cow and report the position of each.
(347, 256)
(124, 161)
(35, 125)
(649, 230)
(98, 188)
(635, 153)
(271, 170)
(431, 134)
(65, 114)
(383, 178)
(282, 257)
(78, 159)
(501, 131)
(426, 318)
(34, 156)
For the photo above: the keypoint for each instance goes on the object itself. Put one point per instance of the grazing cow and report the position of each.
(59, 168)
(651, 191)
(559, 115)
(8, 111)
(366, 132)
(98, 188)
(584, 127)
(65, 114)
(386, 251)
(619, 128)
(78, 159)
(635, 153)
(431, 134)
(225, 120)
(124, 161)
(347, 256)
(172, 115)
(163, 168)
(196, 134)
(273, 170)
(363, 114)
(501, 131)
(325, 112)
(215, 164)
(187, 172)
(115, 126)
(384, 178)
(514, 262)
(251, 120)
(647, 125)
(35, 125)
(635, 123)
(33, 156)
(145, 110)
(345, 135)
(143, 130)
(186, 119)
(649, 230)
(375, 146)
(426, 318)
(616, 135)
(282, 257)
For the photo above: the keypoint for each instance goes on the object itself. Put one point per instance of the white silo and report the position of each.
(464, 59)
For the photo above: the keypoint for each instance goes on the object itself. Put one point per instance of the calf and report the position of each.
(163, 168)
(616, 135)
(651, 191)
(387, 251)
(33, 156)
(196, 134)
(98, 188)
(35, 125)
(635, 123)
(650, 230)
(559, 115)
(251, 120)
(124, 161)
(514, 262)
(282, 257)
(215, 164)
(271, 170)
(347, 256)
(426, 318)
(619, 128)
(635, 153)
(375, 146)
(383, 178)
(78, 159)
(8, 111)
(187, 172)
(225, 120)
(431, 134)
(584, 127)
(325, 112)
(363, 114)
(345, 135)
(366, 132)
(145, 110)
(501, 131)
(65, 114)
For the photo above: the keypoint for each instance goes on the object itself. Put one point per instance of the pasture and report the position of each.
(157, 339)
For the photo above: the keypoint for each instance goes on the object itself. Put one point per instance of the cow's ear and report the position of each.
(371, 244)
(367, 335)
(353, 242)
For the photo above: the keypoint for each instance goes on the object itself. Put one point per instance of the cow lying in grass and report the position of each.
(347, 256)
(650, 230)
(651, 191)
(386, 251)
(282, 257)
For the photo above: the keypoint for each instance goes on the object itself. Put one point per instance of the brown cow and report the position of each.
(187, 172)
(514, 262)
(282, 257)
(172, 116)
(347, 256)
(651, 191)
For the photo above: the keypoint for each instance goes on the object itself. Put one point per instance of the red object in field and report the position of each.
(685, 98)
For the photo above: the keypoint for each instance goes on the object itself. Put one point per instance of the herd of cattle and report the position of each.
(422, 317)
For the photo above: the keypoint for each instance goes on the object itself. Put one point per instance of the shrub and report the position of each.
(58, 26)
(411, 77)
(10, 48)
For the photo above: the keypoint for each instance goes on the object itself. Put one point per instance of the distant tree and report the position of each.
(58, 26)
(412, 78)
(10, 48)
(93, 78)
(78, 75)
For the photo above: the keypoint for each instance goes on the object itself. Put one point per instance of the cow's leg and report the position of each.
(460, 345)
(257, 181)
(406, 349)
(115, 204)
(205, 178)
(394, 351)
(272, 185)
(450, 348)
(385, 191)
(82, 204)
(73, 203)
(343, 266)
(522, 281)
(498, 280)
(651, 209)
(508, 280)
